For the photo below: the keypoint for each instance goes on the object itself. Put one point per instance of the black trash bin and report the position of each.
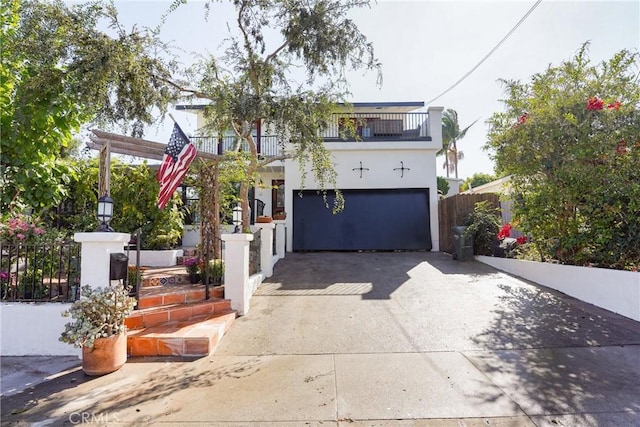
(463, 246)
(118, 264)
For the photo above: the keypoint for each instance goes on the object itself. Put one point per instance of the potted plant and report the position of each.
(98, 327)
(192, 265)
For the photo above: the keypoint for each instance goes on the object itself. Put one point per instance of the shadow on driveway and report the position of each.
(374, 275)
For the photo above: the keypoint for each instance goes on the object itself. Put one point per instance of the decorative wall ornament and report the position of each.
(360, 169)
(401, 169)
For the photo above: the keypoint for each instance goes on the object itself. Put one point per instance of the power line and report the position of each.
(491, 52)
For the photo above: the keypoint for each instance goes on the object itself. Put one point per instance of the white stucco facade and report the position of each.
(408, 163)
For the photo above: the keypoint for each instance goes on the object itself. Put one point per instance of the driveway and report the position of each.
(394, 339)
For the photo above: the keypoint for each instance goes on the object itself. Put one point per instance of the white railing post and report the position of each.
(236, 270)
(280, 237)
(266, 247)
(95, 255)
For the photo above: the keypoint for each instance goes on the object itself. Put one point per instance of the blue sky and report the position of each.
(426, 46)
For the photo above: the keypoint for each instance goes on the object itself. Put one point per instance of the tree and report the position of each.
(252, 82)
(60, 72)
(443, 186)
(570, 140)
(476, 180)
(451, 134)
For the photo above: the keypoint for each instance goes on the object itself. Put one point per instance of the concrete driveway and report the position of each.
(392, 339)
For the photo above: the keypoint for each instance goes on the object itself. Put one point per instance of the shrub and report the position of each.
(99, 314)
(569, 141)
(482, 224)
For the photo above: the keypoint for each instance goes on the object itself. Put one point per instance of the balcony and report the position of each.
(347, 127)
(378, 126)
(267, 145)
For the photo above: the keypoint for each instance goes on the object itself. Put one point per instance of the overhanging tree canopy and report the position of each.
(58, 72)
(252, 81)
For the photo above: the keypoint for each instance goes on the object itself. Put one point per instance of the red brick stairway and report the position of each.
(176, 320)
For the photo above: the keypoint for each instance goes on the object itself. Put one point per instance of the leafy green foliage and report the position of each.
(134, 190)
(570, 138)
(59, 72)
(476, 180)
(443, 186)
(99, 314)
(483, 224)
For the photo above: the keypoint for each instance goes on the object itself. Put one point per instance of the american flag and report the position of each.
(178, 155)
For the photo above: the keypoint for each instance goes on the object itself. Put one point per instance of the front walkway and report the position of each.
(379, 339)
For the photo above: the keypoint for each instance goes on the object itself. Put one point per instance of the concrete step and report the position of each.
(180, 310)
(197, 336)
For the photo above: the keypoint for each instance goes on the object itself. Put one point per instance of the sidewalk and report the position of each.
(376, 339)
(22, 373)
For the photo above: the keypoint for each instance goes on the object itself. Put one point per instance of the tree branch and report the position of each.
(183, 89)
(275, 53)
(274, 159)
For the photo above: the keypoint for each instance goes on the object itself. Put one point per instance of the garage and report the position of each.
(373, 219)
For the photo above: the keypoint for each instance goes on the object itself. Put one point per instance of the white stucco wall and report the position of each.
(33, 329)
(164, 258)
(614, 290)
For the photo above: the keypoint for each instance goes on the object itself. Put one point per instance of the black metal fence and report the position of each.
(377, 126)
(46, 272)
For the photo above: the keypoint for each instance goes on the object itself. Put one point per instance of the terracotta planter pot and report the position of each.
(107, 355)
(264, 219)
(280, 216)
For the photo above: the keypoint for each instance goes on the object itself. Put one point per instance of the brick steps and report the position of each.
(195, 337)
(174, 312)
(175, 319)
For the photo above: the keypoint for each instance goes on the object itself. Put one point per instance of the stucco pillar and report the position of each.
(435, 131)
(435, 123)
(266, 247)
(95, 255)
(280, 237)
(236, 270)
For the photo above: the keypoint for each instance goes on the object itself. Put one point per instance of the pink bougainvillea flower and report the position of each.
(38, 230)
(615, 106)
(595, 104)
(4, 275)
(522, 240)
(21, 236)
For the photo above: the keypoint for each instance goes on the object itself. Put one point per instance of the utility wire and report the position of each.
(526, 15)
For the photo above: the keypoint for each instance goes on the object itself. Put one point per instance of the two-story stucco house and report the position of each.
(387, 174)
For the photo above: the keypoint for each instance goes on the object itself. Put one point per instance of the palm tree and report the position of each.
(451, 134)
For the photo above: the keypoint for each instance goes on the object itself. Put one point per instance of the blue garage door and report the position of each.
(376, 219)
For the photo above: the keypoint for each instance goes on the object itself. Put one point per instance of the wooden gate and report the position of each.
(452, 210)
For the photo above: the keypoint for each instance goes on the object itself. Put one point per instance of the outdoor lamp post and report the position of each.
(237, 218)
(105, 213)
